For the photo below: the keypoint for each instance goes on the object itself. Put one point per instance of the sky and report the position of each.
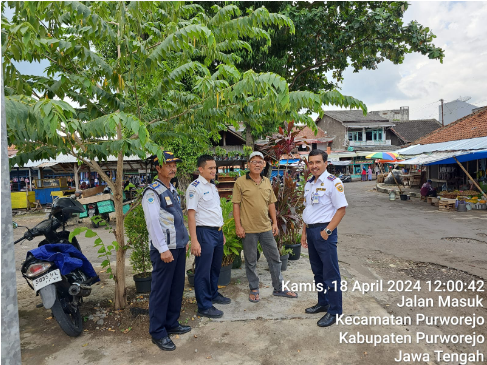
(419, 82)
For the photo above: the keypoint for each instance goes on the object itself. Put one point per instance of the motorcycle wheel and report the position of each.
(68, 318)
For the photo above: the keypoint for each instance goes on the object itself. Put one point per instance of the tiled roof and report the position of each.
(472, 126)
(345, 116)
(414, 129)
(307, 133)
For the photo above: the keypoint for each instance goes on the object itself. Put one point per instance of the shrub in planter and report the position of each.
(138, 242)
(284, 253)
(293, 243)
(233, 245)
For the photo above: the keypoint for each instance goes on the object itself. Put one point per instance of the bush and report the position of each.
(138, 241)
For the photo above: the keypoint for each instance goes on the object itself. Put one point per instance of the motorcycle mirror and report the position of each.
(15, 225)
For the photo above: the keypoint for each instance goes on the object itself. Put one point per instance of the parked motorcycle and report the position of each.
(345, 178)
(53, 270)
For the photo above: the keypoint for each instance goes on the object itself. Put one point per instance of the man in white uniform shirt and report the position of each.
(205, 223)
(325, 207)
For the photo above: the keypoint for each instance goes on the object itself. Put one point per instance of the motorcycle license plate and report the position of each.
(51, 277)
(91, 212)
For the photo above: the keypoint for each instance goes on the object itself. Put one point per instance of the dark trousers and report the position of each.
(323, 258)
(166, 292)
(207, 266)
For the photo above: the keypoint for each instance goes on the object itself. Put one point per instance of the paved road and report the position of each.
(412, 230)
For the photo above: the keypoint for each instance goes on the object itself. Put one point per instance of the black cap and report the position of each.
(168, 157)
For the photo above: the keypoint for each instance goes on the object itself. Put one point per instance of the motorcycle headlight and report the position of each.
(37, 269)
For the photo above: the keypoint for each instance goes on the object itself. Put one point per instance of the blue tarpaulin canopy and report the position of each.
(288, 162)
(274, 172)
(461, 157)
(445, 158)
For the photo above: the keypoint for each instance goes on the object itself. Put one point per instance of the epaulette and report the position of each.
(311, 180)
(155, 185)
(331, 177)
(195, 183)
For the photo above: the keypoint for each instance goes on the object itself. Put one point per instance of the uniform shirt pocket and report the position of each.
(266, 194)
(207, 196)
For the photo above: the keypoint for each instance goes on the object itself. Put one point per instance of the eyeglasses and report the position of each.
(257, 162)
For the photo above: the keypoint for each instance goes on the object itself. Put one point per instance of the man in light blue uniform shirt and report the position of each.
(325, 207)
(205, 223)
(168, 245)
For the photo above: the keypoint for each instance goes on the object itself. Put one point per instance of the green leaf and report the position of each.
(90, 233)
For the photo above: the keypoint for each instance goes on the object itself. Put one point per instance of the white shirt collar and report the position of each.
(202, 179)
(323, 176)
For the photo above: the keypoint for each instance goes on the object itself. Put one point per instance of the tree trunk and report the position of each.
(120, 289)
(76, 176)
(249, 140)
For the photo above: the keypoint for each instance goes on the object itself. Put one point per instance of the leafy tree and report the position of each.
(331, 36)
(174, 74)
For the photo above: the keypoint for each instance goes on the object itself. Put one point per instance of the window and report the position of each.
(373, 135)
(354, 136)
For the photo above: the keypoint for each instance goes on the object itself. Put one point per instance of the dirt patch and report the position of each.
(101, 319)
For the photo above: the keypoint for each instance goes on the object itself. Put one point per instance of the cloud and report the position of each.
(420, 82)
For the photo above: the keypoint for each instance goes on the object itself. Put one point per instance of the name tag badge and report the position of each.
(168, 201)
(315, 198)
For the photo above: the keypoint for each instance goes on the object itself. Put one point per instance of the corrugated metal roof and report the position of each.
(460, 145)
(445, 158)
(70, 159)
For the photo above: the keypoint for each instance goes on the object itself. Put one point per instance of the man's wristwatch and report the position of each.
(328, 231)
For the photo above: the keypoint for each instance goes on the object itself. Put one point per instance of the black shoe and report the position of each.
(327, 320)
(179, 330)
(210, 313)
(220, 299)
(317, 309)
(165, 344)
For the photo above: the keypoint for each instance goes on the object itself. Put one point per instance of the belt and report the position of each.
(213, 228)
(316, 225)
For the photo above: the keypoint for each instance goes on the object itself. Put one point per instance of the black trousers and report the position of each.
(207, 266)
(166, 292)
(323, 258)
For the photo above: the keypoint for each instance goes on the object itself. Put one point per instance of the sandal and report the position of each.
(254, 293)
(284, 293)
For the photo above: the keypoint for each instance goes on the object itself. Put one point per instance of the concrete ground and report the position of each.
(380, 240)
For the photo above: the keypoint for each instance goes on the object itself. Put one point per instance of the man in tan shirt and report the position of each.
(253, 202)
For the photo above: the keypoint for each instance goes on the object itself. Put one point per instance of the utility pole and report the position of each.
(10, 312)
(442, 117)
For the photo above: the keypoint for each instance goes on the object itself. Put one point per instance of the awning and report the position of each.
(445, 158)
(472, 144)
(340, 163)
(471, 156)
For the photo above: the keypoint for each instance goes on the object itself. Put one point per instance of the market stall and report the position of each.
(44, 188)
